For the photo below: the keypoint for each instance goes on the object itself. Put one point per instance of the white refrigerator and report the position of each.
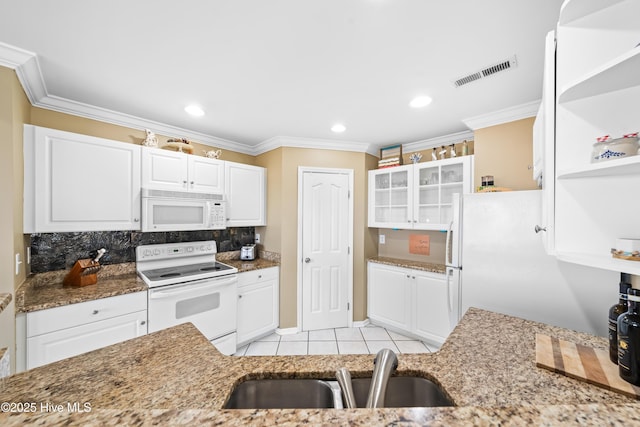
(496, 261)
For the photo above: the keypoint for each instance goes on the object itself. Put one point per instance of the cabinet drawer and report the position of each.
(68, 316)
(48, 348)
(250, 277)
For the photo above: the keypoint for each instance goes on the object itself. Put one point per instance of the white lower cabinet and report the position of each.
(409, 301)
(61, 332)
(258, 313)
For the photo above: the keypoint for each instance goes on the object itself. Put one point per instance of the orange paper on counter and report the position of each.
(419, 244)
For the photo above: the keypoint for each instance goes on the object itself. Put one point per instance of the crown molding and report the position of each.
(425, 144)
(506, 115)
(27, 68)
(314, 143)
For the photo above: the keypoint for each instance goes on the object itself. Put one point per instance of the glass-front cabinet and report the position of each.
(391, 198)
(418, 196)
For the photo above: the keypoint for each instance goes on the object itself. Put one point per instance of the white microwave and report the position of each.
(182, 211)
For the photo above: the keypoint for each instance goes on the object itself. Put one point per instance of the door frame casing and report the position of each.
(349, 172)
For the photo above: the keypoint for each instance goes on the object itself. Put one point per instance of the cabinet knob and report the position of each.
(144, 322)
(239, 296)
(136, 219)
(95, 312)
(538, 229)
(408, 276)
(260, 276)
(307, 260)
(192, 182)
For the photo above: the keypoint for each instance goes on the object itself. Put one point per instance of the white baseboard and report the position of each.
(287, 331)
(361, 323)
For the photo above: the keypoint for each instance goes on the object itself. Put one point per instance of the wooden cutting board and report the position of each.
(582, 363)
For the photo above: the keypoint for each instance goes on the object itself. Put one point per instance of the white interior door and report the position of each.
(325, 250)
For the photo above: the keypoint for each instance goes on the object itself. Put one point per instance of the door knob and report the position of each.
(538, 229)
(307, 260)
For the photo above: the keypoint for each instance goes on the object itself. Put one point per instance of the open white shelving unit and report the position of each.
(598, 93)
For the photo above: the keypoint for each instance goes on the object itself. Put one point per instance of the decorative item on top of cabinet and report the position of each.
(213, 154)
(151, 140)
(182, 145)
(76, 182)
(390, 156)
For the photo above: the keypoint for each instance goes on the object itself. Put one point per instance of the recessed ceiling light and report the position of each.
(420, 101)
(194, 110)
(338, 128)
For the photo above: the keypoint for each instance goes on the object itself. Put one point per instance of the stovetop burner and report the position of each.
(184, 272)
(176, 263)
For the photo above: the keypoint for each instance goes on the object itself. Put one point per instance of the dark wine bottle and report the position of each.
(614, 312)
(629, 339)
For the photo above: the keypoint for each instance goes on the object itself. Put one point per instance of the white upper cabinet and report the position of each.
(598, 87)
(174, 171)
(246, 193)
(418, 196)
(79, 183)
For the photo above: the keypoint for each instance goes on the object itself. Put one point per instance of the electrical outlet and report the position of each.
(381, 239)
(18, 262)
(257, 238)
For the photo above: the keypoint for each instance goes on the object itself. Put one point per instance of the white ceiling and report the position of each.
(266, 68)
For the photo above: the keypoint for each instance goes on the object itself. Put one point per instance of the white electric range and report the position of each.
(187, 284)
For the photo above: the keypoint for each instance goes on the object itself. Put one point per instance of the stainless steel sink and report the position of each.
(403, 392)
(282, 393)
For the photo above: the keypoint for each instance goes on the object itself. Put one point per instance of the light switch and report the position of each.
(381, 239)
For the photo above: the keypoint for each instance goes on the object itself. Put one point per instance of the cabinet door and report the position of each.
(430, 306)
(257, 310)
(389, 295)
(164, 170)
(390, 197)
(435, 183)
(427, 197)
(246, 195)
(79, 183)
(48, 348)
(206, 175)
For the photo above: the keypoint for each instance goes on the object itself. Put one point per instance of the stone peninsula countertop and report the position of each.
(417, 265)
(5, 299)
(175, 376)
(45, 290)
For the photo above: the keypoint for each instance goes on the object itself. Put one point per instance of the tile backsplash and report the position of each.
(59, 251)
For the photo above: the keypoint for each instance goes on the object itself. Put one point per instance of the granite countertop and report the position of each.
(486, 366)
(417, 265)
(265, 259)
(5, 299)
(45, 290)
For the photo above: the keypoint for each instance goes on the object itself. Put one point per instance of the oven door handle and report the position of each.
(190, 287)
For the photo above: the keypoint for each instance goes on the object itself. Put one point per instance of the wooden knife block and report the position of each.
(83, 273)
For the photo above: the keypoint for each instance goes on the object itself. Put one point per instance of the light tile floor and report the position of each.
(366, 340)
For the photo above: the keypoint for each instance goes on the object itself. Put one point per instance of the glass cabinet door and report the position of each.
(427, 209)
(452, 182)
(392, 196)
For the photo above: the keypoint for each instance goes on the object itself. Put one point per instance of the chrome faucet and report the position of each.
(344, 379)
(385, 363)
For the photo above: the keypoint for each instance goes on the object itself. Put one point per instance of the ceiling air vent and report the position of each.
(487, 71)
